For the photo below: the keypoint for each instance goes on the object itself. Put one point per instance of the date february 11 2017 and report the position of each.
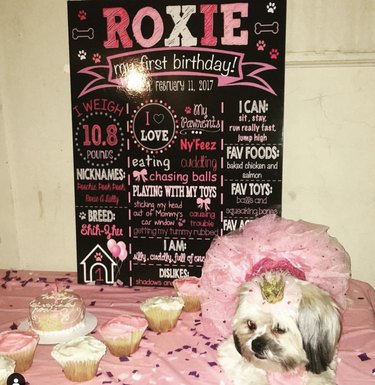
(190, 85)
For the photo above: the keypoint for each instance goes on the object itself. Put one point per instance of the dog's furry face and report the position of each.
(268, 341)
(300, 331)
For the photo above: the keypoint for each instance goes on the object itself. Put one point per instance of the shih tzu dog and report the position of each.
(285, 330)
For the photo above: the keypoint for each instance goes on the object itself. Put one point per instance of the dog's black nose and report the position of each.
(258, 345)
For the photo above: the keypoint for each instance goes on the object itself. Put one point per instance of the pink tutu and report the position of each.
(304, 247)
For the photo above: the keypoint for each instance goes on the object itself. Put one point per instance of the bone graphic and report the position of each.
(260, 28)
(77, 33)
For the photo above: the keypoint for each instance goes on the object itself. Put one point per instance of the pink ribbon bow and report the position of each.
(204, 203)
(140, 174)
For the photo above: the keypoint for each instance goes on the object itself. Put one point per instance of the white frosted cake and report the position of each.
(56, 312)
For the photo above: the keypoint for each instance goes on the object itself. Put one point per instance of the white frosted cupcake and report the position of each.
(162, 312)
(79, 357)
(123, 334)
(7, 366)
(189, 290)
(19, 346)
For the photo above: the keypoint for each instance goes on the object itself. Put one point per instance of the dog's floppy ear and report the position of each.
(319, 324)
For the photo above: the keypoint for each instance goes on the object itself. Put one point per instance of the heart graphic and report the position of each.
(158, 118)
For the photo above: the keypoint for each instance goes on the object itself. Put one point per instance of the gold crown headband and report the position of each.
(272, 287)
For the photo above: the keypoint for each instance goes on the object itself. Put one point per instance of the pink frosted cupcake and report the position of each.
(189, 290)
(7, 366)
(19, 346)
(123, 334)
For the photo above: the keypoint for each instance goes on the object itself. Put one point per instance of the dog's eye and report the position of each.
(279, 330)
(252, 326)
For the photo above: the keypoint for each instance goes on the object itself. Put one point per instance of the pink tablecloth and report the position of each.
(186, 355)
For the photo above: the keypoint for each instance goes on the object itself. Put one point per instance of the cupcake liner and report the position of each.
(23, 359)
(160, 320)
(78, 371)
(191, 303)
(124, 346)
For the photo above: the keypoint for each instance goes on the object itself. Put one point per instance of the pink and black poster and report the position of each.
(177, 121)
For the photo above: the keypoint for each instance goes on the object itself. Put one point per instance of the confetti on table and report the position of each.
(364, 357)
(24, 283)
(13, 326)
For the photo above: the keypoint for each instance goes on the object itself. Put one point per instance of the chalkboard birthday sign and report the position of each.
(177, 114)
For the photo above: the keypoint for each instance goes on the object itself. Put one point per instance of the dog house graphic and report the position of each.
(98, 266)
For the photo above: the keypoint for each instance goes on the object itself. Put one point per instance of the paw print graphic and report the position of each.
(261, 45)
(96, 58)
(188, 110)
(274, 53)
(82, 15)
(82, 216)
(271, 7)
(82, 54)
(181, 222)
(98, 257)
